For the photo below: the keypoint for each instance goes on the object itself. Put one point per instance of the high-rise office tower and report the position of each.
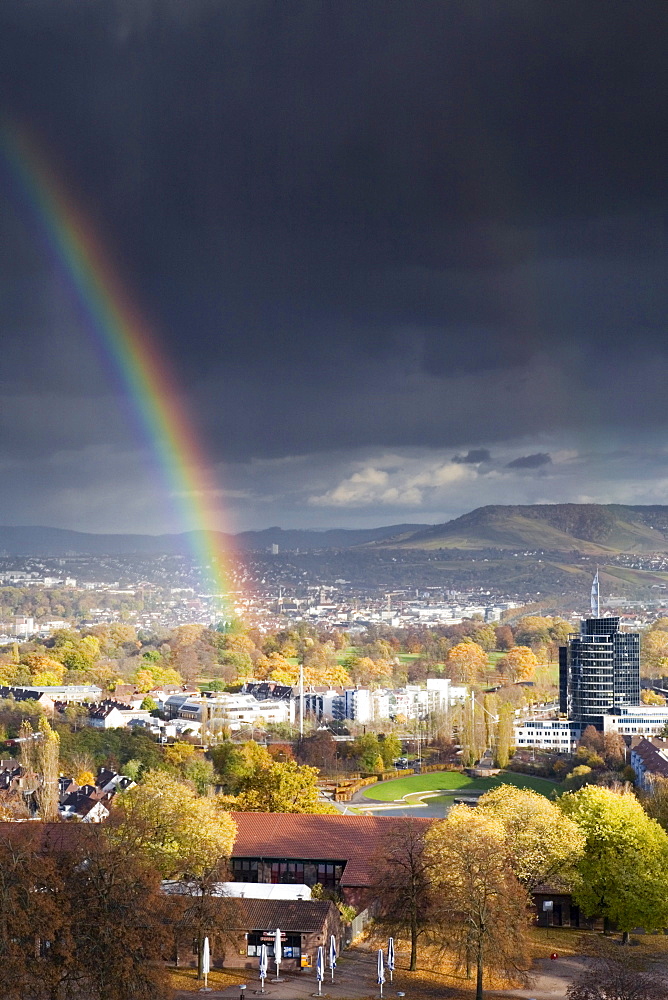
(599, 670)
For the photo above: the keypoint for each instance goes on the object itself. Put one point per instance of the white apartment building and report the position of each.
(231, 710)
(23, 627)
(358, 705)
(636, 720)
(560, 735)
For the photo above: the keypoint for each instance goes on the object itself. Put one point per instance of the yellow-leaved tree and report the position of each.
(544, 845)
(467, 661)
(519, 663)
(179, 832)
(479, 895)
(283, 786)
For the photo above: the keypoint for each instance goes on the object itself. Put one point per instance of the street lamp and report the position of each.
(242, 987)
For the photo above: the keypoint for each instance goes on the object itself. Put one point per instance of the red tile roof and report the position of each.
(307, 916)
(357, 840)
(650, 755)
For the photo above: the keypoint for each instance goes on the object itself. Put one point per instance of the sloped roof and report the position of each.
(357, 840)
(652, 757)
(293, 915)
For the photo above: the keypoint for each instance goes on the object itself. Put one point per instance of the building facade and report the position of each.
(599, 671)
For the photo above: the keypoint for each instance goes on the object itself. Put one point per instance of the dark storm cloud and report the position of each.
(530, 461)
(474, 456)
(351, 224)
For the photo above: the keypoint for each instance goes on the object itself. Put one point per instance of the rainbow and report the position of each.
(134, 352)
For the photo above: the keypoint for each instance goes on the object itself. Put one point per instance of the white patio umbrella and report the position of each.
(264, 966)
(390, 956)
(206, 962)
(320, 968)
(332, 954)
(278, 951)
(381, 970)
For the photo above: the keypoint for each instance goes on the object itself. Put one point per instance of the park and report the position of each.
(432, 794)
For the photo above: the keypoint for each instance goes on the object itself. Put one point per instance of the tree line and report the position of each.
(464, 884)
(82, 911)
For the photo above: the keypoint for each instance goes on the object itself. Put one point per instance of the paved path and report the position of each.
(355, 978)
(549, 979)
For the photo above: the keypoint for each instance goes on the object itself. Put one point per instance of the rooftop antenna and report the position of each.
(596, 597)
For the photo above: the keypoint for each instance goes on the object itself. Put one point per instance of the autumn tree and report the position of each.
(28, 916)
(39, 757)
(654, 800)
(654, 651)
(367, 671)
(365, 749)
(281, 787)
(467, 661)
(621, 876)
(544, 846)
(519, 663)
(234, 762)
(165, 821)
(117, 922)
(44, 670)
(319, 750)
(403, 883)
(504, 637)
(650, 697)
(505, 735)
(204, 913)
(390, 748)
(74, 650)
(472, 731)
(479, 896)
(47, 758)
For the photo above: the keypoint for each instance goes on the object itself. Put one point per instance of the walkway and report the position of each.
(355, 979)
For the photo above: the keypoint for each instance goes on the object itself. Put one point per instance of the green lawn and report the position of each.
(396, 788)
(541, 785)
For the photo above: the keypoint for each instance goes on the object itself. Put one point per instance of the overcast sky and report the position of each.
(406, 257)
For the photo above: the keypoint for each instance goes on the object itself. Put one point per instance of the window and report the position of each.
(292, 944)
(287, 872)
(244, 870)
(329, 875)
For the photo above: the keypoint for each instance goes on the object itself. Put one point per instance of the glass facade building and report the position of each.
(599, 671)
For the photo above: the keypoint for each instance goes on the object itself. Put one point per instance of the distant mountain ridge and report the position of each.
(564, 527)
(41, 541)
(589, 529)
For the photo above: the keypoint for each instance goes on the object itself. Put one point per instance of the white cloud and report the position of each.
(408, 484)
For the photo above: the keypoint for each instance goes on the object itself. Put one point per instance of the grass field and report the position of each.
(396, 788)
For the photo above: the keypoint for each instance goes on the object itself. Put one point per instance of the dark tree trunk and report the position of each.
(414, 940)
(478, 981)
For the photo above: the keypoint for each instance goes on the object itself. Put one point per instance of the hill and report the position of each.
(591, 529)
(34, 540)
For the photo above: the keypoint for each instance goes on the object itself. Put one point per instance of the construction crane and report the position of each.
(393, 593)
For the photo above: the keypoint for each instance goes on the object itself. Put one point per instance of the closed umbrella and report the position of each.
(332, 954)
(381, 970)
(390, 956)
(206, 962)
(264, 965)
(320, 967)
(278, 953)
